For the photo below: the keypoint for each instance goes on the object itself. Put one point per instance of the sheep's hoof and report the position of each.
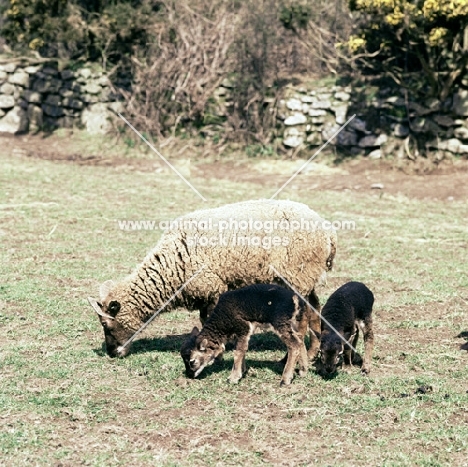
(285, 382)
(302, 373)
(365, 371)
(233, 380)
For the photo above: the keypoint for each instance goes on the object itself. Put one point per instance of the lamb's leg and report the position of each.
(239, 368)
(314, 326)
(348, 351)
(354, 344)
(206, 309)
(303, 359)
(368, 333)
(296, 352)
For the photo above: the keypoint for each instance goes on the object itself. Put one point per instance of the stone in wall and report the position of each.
(461, 133)
(314, 138)
(317, 113)
(358, 124)
(32, 97)
(293, 141)
(321, 104)
(41, 95)
(340, 111)
(35, 117)
(97, 118)
(92, 88)
(72, 103)
(51, 110)
(400, 130)
(6, 101)
(460, 103)
(346, 138)
(343, 96)
(7, 88)
(15, 121)
(67, 74)
(294, 104)
(444, 120)
(295, 119)
(20, 78)
(372, 141)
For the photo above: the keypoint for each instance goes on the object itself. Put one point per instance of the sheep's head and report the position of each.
(331, 349)
(198, 352)
(115, 333)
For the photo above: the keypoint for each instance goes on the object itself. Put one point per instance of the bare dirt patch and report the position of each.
(448, 181)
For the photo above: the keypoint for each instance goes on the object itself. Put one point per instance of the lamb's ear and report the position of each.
(203, 344)
(194, 332)
(97, 308)
(104, 289)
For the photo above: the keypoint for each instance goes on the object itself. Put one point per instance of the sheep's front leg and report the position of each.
(206, 309)
(239, 368)
(368, 345)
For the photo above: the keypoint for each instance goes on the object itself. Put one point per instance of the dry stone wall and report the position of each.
(36, 96)
(387, 122)
(40, 96)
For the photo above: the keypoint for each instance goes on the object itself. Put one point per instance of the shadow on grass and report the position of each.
(258, 343)
(226, 365)
(463, 335)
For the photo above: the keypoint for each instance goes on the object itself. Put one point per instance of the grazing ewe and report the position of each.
(233, 250)
(348, 309)
(236, 316)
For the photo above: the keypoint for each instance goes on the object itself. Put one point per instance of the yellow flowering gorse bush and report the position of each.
(416, 36)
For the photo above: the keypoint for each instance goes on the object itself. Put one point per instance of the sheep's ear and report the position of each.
(97, 307)
(104, 289)
(203, 344)
(113, 308)
(194, 332)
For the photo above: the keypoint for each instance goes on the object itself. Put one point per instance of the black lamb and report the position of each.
(348, 309)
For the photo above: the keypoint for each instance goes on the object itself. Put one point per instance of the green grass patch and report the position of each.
(63, 401)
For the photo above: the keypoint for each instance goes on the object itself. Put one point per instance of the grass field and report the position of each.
(63, 402)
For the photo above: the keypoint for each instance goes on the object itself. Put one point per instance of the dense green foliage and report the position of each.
(178, 51)
(77, 29)
(403, 38)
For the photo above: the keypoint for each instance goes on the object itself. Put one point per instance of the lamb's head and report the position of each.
(198, 352)
(116, 330)
(331, 349)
